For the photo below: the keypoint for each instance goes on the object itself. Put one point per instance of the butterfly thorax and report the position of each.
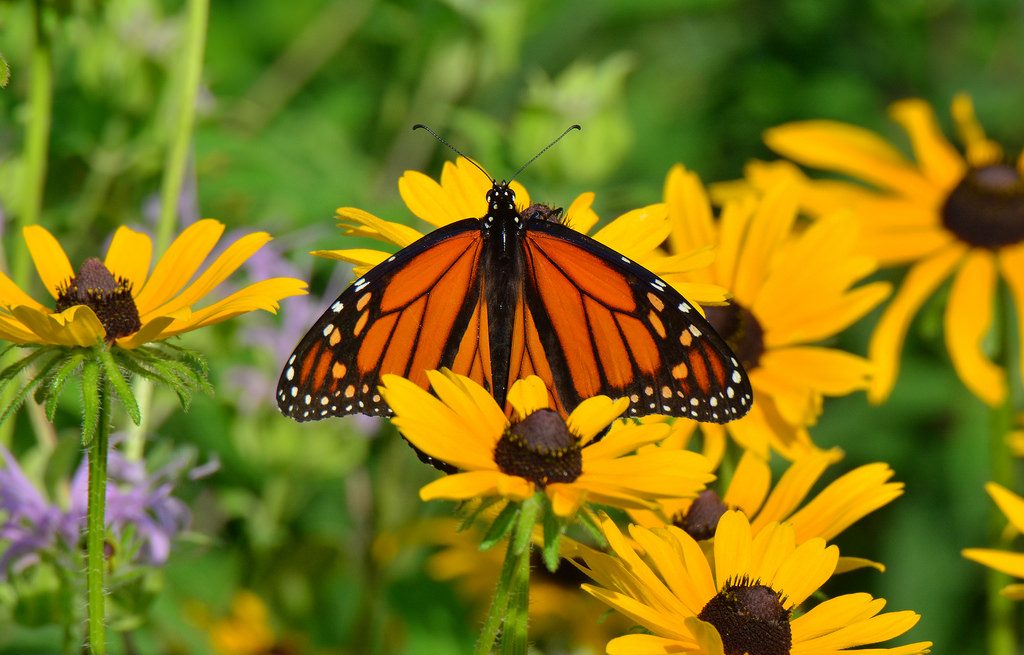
(502, 225)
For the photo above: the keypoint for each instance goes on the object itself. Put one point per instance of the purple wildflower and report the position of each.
(135, 498)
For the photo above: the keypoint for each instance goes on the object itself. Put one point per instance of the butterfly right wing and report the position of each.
(420, 309)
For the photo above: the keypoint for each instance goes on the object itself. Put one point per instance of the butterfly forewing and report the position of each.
(417, 311)
(611, 327)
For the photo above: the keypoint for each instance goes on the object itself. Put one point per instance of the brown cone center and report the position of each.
(986, 209)
(741, 330)
(111, 299)
(750, 618)
(701, 520)
(541, 449)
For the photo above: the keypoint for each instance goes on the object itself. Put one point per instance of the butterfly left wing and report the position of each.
(609, 326)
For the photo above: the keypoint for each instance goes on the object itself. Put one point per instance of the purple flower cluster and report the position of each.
(135, 498)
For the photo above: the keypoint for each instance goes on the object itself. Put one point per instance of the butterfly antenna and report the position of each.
(544, 149)
(421, 126)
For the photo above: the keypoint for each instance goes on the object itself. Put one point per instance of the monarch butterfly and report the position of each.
(511, 294)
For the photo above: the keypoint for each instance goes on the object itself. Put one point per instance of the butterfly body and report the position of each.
(508, 295)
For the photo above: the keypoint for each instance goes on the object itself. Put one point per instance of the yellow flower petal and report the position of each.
(640, 644)
(129, 256)
(636, 233)
(1010, 504)
(357, 222)
(968, 318)
(935, 155)
(980, 150)
(580, 215)
(227, 263)
(14, 331)
(689, 211)
(750, 484)
(732, 547)
(845, 501)
(75, 326)
(435, 428)
(887, 339)
(471, 402)
(476, 484)
(177, 266)
(51, 262)
(152, 330)
(363, 259)
(264, 295)
(1000, 560)
(850, 150)
(623, 439)
(770, 225)
(11, 295)
(527, 396)
(831, 372)
(810, 565)
(595, 414)
(1011, 263)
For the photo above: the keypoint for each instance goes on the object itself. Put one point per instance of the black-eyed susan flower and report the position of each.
(1011, 563)
(537, 450)
(791, 288)
(741, 597)
(945, 214)
(461, 193)
(843, 502)
(118, 299)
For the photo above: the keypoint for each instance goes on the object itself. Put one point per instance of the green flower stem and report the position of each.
(174, 176)
(37, 144)
(96, 525)
(1002, 618)
(511, 597)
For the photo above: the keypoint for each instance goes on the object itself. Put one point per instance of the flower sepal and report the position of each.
(100, 368)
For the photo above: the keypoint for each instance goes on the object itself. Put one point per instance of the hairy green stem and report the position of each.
(174, 177)
(33, 180)
(511, 597)
(96, 524)
(1002, 616)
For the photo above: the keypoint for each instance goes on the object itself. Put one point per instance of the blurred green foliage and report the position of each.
(308, 105)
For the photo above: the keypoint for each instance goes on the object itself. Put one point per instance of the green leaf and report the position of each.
(119, 384)
(501, 526)
(90, 400)
(524, 526)
(23, 393)
(5, 72)
(11, 371)
(586, 519)
(146, 368)
(469, 520)
(57, 381)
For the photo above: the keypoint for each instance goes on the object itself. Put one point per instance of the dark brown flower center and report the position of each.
(111, 299)
(541, 449)
(986, 209)
(701, 520)
(741, 330)
(750, 618)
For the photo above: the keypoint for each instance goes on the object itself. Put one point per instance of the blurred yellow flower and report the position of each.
(463, 427)
(1007, 562)
(840, 504)
(120, 301)
(791, 288)
(461, 193)
(738, 597)
(947, 215)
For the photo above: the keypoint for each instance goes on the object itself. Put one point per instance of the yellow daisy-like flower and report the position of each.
(739, 598)
(118, 300)
(465, 428)
(839, 505)
(1007, 562)
(791, 288)
(945, 214)
(461, 193)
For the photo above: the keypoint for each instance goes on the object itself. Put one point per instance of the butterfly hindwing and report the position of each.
(418, 310)
(609, 326)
